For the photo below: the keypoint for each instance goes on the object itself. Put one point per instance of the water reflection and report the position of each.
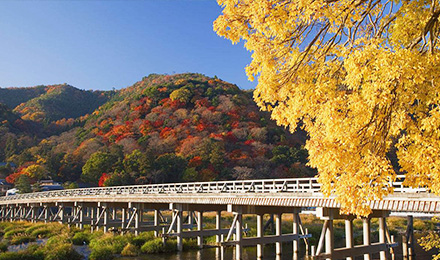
(249, 253)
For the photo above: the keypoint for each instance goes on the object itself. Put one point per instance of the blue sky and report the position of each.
(113, 44)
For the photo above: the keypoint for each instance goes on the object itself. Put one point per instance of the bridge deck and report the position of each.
(298, 192)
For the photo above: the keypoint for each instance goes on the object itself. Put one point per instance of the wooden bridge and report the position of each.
(122, 208)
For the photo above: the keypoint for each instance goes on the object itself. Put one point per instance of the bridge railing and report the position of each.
(246, 186)
(293, 185)
(400, 188)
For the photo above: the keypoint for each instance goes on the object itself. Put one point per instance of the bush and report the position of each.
(142, 238)
(153, 246)
(171, 246)
(31, 229)
(211, 240)
(11, 227)
(189, 244)
(12, 256)
(41, 233)
(23, 255)
(62, 252)
(130, 250)
(139, 241)
(57, 240)
(116, 243)
(5, 225)
(101, 253)
(156, 245)
(22, 239)
(3, 246)
(81, 238)
(9, 234)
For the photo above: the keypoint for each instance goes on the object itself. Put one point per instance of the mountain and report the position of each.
(164, 128)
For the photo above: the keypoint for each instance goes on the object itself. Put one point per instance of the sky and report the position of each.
(112, 44)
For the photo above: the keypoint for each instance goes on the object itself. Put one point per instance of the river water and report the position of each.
(249, 253)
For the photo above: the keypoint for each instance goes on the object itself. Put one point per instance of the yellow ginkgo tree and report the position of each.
(362, 77)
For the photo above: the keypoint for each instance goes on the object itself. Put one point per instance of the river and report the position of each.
(249, 253)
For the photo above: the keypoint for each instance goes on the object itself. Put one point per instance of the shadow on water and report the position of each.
(249, 253)
(211, 254)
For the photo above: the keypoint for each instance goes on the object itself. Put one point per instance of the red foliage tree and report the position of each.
(102, 179)
(195, 161)
(13, 177)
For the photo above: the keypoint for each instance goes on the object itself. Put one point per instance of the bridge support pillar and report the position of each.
(10, 212)
(62, 210)
(278, 232)
(105, 216)
(382, 235)
(97, 217)
(295, 227)
(349, 241)
(199, 228)
(329, 238)
(156, 222)
(179, 222)
(238, 235)
(46, 213)
(366, 235)
(2, 214)
(408, 240)
(218, 225)
(190, 220)
(80, 224)
(114, 214)
(16, 213)
(123, 219)
(92, 216)
(33, 214)
(260, 247)
(137, 218)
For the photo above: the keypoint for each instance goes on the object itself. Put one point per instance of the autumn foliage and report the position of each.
(164, 128)
(361, 77)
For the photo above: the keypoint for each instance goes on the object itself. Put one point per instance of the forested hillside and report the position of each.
(184, 127)
(61, 101)
(13, 97)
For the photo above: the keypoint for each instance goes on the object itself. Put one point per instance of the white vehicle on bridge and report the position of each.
(11, 192)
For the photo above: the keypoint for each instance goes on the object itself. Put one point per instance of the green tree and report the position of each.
(190, 174)
(132, 162)
(181, 94)
(169, 168)
(119, 179)
(23, 184)
(97, 164)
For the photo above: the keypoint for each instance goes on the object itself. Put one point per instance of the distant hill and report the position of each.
(13, 97)
(61, 101)
(164, 128)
